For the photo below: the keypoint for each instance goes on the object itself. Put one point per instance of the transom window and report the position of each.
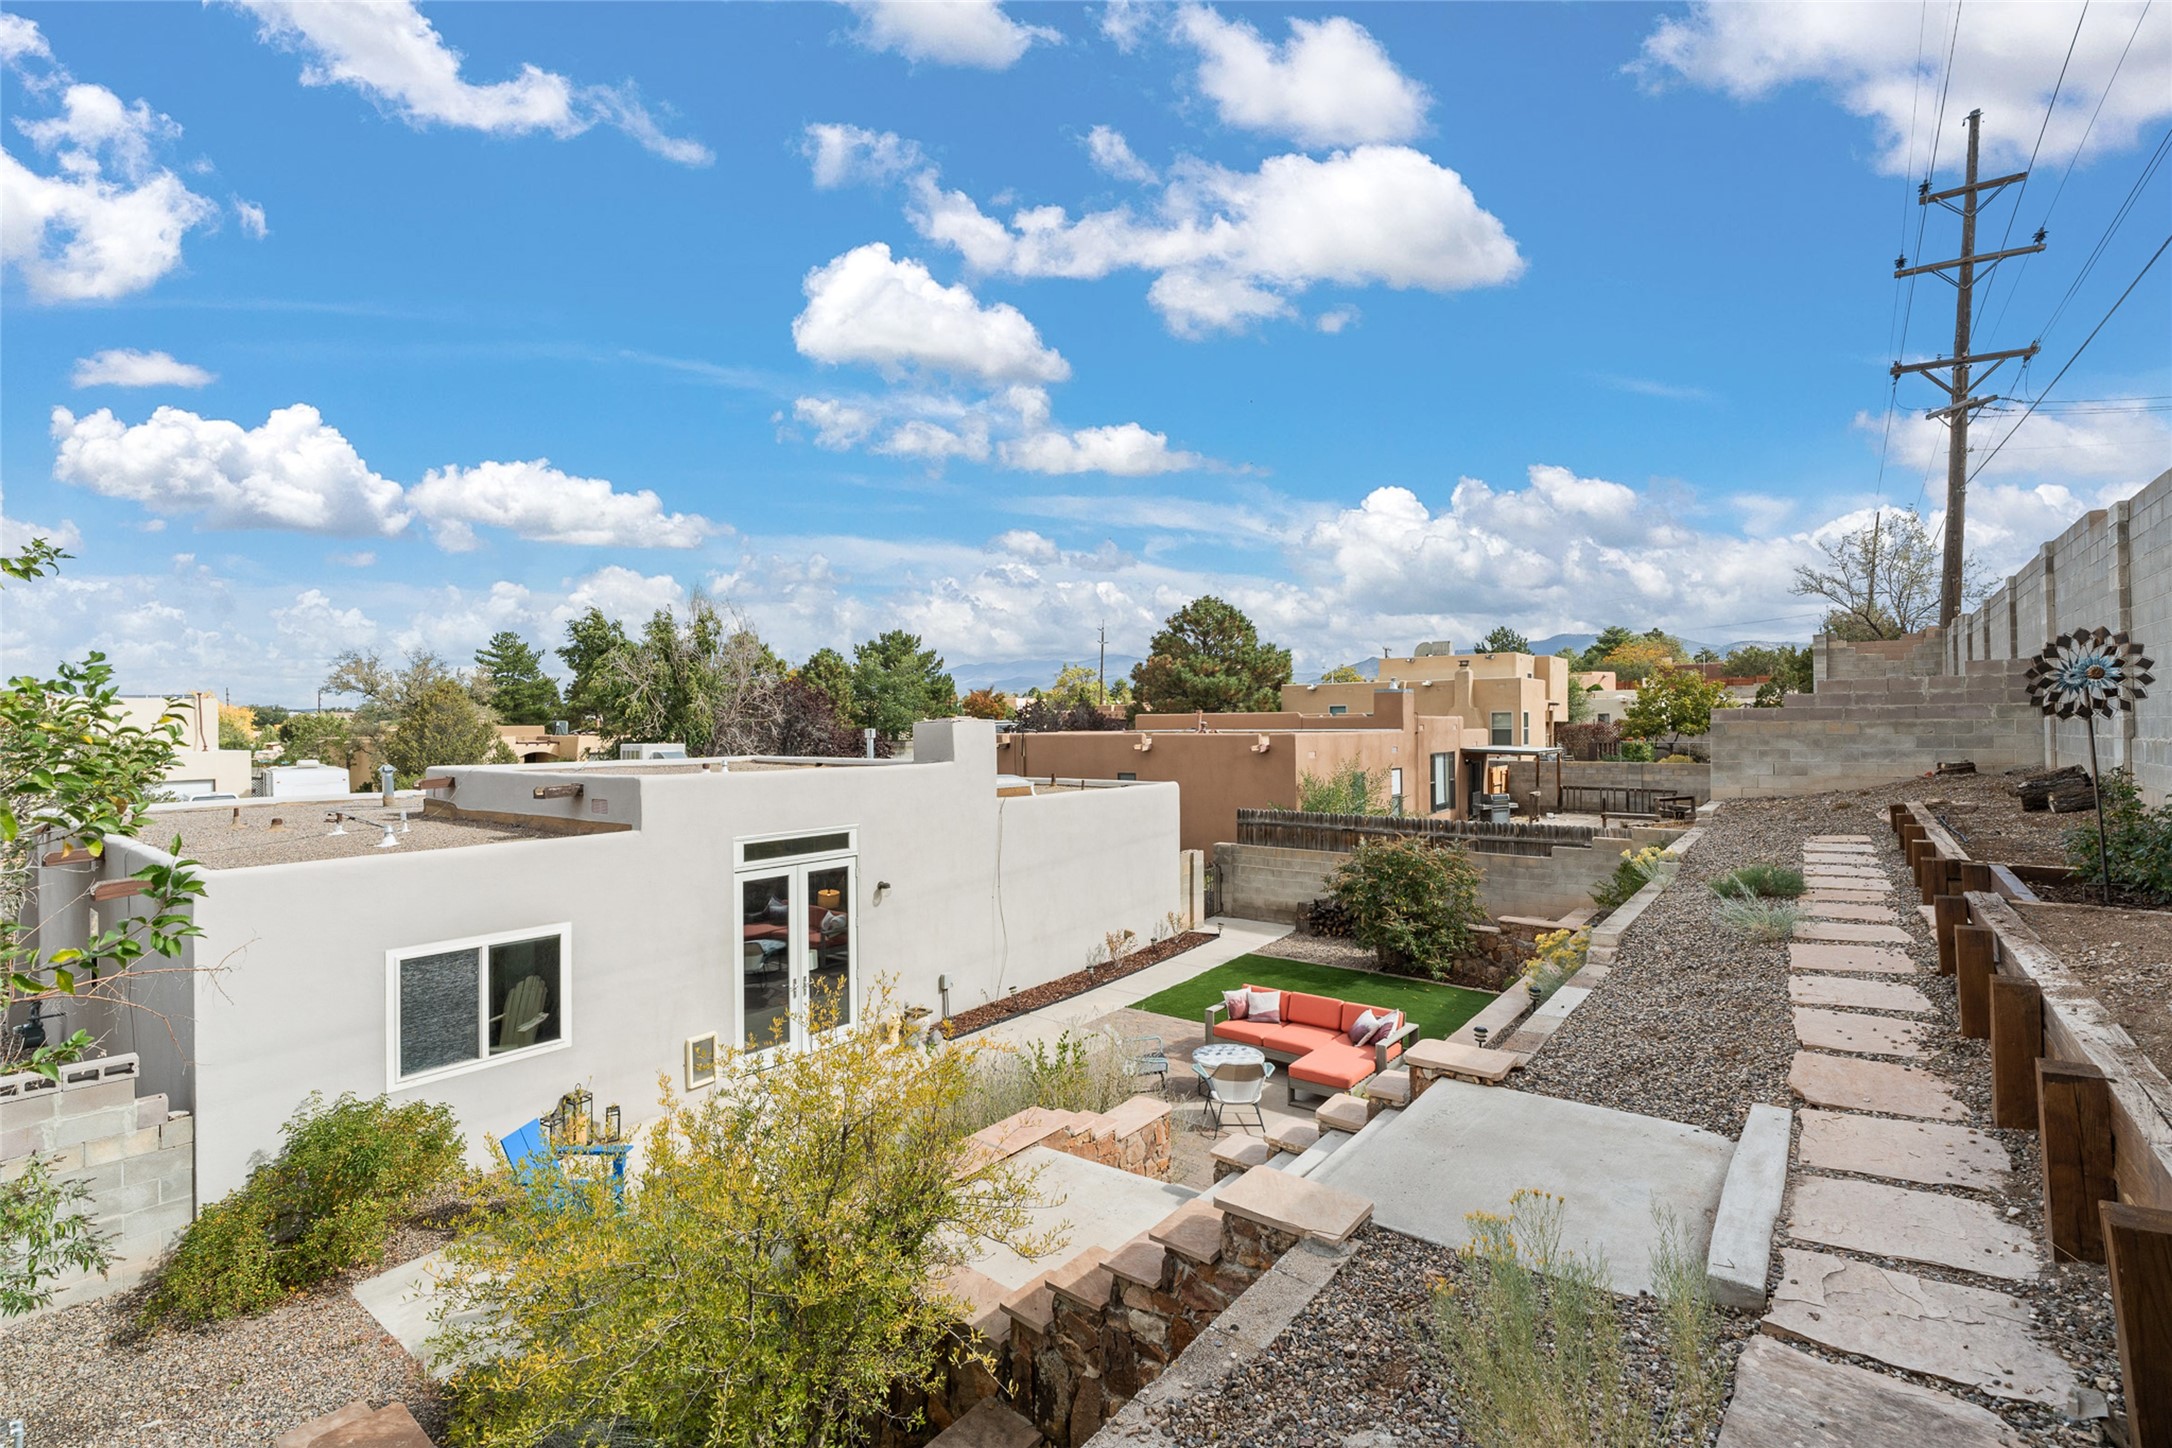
(461, 1004)
(792, 847)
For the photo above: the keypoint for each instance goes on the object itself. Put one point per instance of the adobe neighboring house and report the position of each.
(1227, 762)
(537, 927)
(1742, 688)
(1510, 699)
(1609, 700)
(548, 744)
(199, 765)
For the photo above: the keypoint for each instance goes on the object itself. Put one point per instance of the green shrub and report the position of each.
(1350, 790)
(1412, 902)
(43, 1233)
(346, 1176)
(2138, 840)
(1774, 882)
(1635, 751)
(1636, 870)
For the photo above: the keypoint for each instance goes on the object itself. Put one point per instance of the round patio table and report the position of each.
(1227, 1053)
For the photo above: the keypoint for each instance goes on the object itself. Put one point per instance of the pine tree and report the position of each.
(514, 681)
(1208, 656)
(896, 683)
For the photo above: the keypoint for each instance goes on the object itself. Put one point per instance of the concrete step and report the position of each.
(1329, 1143)
(1193, 1231)
(989, 1423)
(359, 1426)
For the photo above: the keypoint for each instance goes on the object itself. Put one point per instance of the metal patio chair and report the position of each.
(1144, 1056)
(1234, 1089)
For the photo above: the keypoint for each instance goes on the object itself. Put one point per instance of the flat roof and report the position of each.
(230, 836)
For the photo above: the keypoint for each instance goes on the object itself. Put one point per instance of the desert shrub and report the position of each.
(1681, 759)
(1350, 790)
(1560, 954)
(345, 1177)
(2138, 840)
(1768, 921)
(1775, 882)
(43, 1233)
(1412, 901)
(1536, 1343)
(1079, 1072)
(1635, 751)
(1636, 870)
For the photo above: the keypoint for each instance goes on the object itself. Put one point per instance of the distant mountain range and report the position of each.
(1015, 676)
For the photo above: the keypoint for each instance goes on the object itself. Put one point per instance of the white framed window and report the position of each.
(1502, 727)
(1395, 791)
(456, 1006)
(1444, 783)
(1527, 726)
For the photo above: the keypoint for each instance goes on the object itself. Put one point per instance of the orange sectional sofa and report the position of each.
(1313, 1040)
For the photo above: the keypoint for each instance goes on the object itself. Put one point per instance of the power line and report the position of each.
(1923, 215)
(1892, 321)
(2134, 192)
(2025, 416)
(2087, 131)
(2049, 107)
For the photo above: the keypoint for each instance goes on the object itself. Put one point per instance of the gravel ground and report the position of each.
(2124, 958)
(1323, 950)
(1694, 1025)
(79, 1378)
(1990, 821)
(1362, 1356)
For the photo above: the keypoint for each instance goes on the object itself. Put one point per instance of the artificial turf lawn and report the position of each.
(1438, 1009)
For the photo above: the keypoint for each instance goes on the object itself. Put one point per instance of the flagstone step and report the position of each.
(1886, 1087)
(1849, 910)
(1822, 883)
(1968, 1335)
(1909, 1151)
(1914, 1226)
(1845, 859)
(1851, 931)
(1848, 957)
(1840, 839)
(1849, 992)
(1788, 1399)
(1863, 1035)
(1834, 896)
(989, 1423)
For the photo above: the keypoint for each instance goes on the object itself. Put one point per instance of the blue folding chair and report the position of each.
(529, 1155)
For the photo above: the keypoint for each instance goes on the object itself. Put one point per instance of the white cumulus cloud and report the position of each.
(1887, 64)
(294, 472)
(1126, 450)
(126, 367)
(845, 155)
(251, 217)
(1112, 155)
(390, 52)
(869, 308)
(948, 32)
(107, 220)
(298, 473)
(1229, 247)
(1329, 84)
(536, 501)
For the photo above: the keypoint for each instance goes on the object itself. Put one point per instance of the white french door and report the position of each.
(799, 951)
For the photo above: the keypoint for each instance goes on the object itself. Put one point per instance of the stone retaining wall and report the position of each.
(137, 1158)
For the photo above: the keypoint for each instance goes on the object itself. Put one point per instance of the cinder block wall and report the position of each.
(137, 1158)
(1270, 882)
(1894, 710)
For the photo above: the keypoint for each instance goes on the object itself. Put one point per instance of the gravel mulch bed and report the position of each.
(1990, 821)
(1362, 1356)
(82, 1378)
(1323, 950)
(2125, 958)
(1078, 982)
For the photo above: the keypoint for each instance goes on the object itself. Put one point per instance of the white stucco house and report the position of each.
(531, 928)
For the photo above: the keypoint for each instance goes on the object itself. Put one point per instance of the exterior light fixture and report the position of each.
(1478, 1034)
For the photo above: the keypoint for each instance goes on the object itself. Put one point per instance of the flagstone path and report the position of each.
(1886, 1171)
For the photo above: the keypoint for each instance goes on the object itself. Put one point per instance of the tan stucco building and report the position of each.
(199, 765)
(1509, 699)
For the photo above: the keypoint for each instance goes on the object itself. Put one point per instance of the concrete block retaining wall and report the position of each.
(137, 1159)
(1895, 709)
(1269, 882)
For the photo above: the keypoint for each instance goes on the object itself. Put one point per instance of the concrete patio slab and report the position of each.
(1888, 1221)
(1908, 1151)
(1967, 1335)
(1847, 991)
(1461, 1148)
(1789, 1399)
(1849, 1031)
(1850, 930)
(1088, 1204)
(1848, 958)
(1886, 1087)
(404, 1299)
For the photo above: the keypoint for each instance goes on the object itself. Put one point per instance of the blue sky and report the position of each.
(361, 326)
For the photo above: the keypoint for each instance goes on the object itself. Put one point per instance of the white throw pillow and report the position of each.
(1361, 1029)
(1266, 1007)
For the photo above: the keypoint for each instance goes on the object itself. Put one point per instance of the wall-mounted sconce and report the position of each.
(882, 888)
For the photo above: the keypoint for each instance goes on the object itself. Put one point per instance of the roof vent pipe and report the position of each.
(385, 776)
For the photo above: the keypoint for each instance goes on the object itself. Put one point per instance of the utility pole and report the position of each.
(1103, 631)
(1958, 403)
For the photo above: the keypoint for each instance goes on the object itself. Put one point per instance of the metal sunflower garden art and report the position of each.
(2086, 673)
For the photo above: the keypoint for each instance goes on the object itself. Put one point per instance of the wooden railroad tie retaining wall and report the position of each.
(2138, 1259)
(2074, 1126)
